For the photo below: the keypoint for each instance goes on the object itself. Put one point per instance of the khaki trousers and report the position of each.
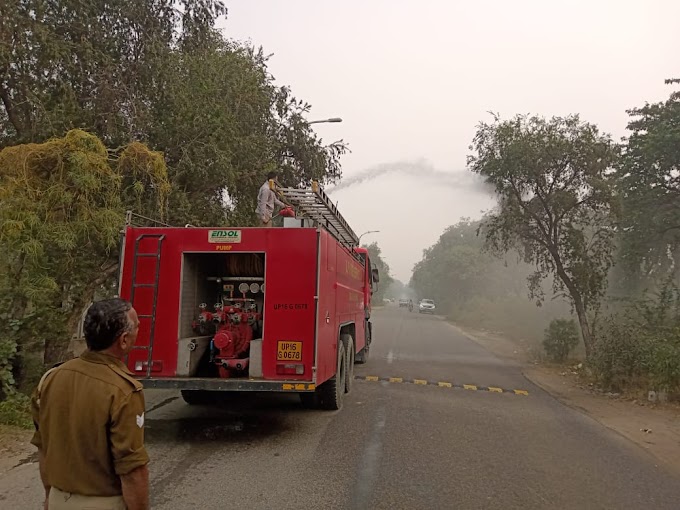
(60, 500)
(266, 220)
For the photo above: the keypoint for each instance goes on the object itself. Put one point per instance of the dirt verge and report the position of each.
(654, 427)
(15, 448)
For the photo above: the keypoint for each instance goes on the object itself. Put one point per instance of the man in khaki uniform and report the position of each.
(89, 420)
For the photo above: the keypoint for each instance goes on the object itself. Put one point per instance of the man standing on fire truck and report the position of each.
(266, 200)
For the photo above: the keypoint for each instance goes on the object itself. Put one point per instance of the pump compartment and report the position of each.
(220, 321)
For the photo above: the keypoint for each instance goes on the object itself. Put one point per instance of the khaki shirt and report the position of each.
(89, 420)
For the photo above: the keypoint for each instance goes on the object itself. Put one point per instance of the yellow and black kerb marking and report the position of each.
(441, 384)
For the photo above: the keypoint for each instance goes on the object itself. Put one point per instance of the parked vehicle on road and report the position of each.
(426, 306)
(403, 303)
(251, 309)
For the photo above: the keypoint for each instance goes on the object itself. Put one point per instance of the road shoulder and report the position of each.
(15, 448)
(652, 427)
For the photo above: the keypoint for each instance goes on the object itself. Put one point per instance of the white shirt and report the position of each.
(266, 199)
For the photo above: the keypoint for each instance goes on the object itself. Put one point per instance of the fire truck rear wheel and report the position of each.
(333, 390)
(349, 365)
(196, 397)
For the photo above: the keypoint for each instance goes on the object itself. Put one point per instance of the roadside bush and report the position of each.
(561, 337)
(641, 345)
(16, 410)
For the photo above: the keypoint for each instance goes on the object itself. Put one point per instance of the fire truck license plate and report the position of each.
(289, 351)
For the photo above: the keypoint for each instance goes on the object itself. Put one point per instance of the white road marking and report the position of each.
(370, 463)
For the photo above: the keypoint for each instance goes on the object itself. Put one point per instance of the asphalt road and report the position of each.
(395, 445)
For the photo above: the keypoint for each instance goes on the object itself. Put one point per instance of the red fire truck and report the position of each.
(251, 309)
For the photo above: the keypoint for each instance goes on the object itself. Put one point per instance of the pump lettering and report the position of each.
(290, 306)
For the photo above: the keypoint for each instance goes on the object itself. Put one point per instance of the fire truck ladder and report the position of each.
(316, 205)
(154, 289)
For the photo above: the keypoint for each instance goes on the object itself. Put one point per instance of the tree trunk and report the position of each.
(580, 308)
(12, 115)
(586, 333)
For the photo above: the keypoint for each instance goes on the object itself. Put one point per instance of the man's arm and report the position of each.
(135, 486)
(36, 440)
(277, 201)
(130, 459)
(261, 197)
(43, 476)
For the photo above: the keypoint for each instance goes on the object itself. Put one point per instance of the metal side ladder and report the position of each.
(316, 205)
(154, 286)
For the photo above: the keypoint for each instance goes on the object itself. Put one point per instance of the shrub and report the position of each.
(16, 410)
(641, 345)
(561, 337)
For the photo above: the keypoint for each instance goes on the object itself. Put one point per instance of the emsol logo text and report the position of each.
(224, 236)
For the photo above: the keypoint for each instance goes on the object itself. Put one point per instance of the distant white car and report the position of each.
(426, 306)
(403, 303)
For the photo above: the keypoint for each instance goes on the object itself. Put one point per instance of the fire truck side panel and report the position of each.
(327, 325)
(290, 278)
(341, 287)
(290, 286)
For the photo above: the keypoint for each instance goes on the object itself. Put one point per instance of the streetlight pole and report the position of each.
(368, 232)
(332, 119)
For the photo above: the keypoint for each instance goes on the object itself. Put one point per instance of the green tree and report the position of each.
(649, 184)
(222, 123)
(556, 204)
(457, 268)
(91, 65)
(157, 71)
(62, 205)
(374, 253)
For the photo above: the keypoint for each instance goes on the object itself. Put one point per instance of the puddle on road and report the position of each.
(222, 428)
(229, 418)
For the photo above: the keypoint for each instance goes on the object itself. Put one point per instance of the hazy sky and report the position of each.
(411, 80)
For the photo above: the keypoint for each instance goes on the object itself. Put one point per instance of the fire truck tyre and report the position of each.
(348, 341)
(332, 391)
(196, 397)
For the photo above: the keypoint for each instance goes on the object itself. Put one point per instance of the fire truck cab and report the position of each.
(251, 309)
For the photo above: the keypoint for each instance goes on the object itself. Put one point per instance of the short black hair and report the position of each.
(272, 175)
(105, 321)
